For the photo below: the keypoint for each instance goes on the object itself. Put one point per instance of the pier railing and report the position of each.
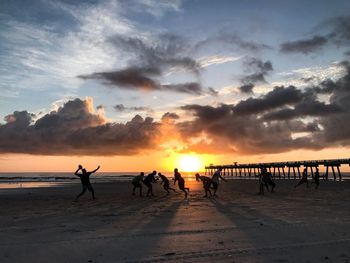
(278, 169)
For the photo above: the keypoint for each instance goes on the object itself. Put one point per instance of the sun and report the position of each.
(190, 163)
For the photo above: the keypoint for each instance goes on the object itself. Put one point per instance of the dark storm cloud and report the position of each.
(74, 130)
(267, 124)
(338, 33)
(304, 46)
(257, 70)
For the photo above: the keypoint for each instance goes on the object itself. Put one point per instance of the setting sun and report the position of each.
(190, 163)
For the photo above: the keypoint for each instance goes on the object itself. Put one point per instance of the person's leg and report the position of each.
(140, 190)
(133, 190)
(167, 187)
(208, 189)
(82, 192)
(92, 191)
(261, 189)
(299, 183)
(273, 185)
(215, 187)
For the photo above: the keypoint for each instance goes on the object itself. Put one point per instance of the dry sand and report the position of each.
(302, 225)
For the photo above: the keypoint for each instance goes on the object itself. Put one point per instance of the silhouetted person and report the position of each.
(263, 181)
(85, 181)
(303, 179)
(150, 178)
(206, 183)
(181, 182)
(269, 181)
(215, 179)
(165, 182)
(316, 180)
(137, 182)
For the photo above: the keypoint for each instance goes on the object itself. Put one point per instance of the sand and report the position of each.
(302, 225)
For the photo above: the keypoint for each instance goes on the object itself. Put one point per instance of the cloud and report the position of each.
(304, 46)
(75, 129)
(232, 41)
(163, 51)
(278, 97)
(216, 60)
(142, 79)
(213, 92)
(121, 107)
(257, 69)
(338, 34)
(169, 117)
(247, 88)
(162, 54)
(284, 119)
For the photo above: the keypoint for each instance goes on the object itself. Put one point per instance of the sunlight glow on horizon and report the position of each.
(189, 163)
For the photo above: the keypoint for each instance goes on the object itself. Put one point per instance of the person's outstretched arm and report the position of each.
(98, 167)
(222, 178)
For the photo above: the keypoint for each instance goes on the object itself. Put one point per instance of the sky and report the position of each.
(141, 84)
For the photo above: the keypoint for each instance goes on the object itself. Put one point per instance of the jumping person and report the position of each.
(215, 180)
(137, 182)
(206, 183)
(181, 181)
(85, 181)
(150, 178)
(165, 182)
(303, 179)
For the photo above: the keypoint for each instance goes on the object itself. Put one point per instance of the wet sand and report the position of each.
(302, 225)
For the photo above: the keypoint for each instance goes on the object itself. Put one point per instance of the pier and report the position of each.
(282, 170)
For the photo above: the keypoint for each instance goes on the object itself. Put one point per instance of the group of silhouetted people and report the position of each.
(140, 180)
(209, 183)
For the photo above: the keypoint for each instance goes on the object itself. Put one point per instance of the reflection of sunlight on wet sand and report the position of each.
(15, 185)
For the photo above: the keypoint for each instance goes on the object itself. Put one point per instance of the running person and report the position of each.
(181, 181)
(148, 182)
(303, 179)
(85, 181)
(165, 182)
(215, 180)
(137, 182)
(206, 183)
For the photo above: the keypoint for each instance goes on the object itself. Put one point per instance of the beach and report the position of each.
(291, 225)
